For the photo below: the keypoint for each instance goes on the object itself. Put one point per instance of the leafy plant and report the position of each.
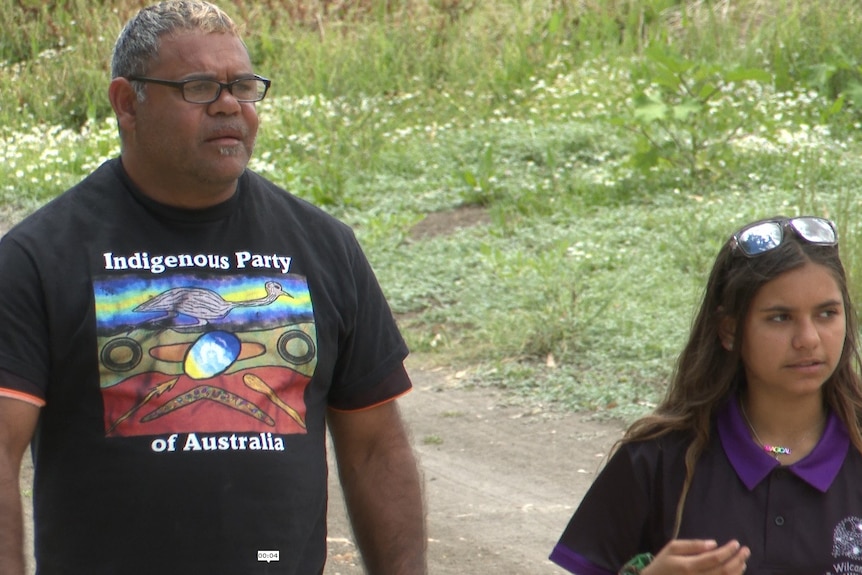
(685, 113)
(481, 189)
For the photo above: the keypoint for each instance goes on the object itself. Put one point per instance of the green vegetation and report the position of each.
(614, 144)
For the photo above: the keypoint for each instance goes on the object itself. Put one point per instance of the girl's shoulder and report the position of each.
(670, 441)
(667, 450)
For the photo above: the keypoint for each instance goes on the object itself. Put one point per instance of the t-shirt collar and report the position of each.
(752, 464)
(201, 215)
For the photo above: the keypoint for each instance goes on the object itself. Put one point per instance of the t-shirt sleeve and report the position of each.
(14, 387)
(24, 353)
(369, 368)
(391, 387)
(610, 525)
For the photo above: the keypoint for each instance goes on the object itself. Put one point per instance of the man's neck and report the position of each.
(178, 192)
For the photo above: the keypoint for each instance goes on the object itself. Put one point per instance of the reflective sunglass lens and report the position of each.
(760, 238)
(815, 230)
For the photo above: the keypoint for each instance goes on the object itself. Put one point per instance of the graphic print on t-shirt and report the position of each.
(204, 353)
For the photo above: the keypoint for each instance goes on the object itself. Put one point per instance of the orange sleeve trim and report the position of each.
(378, 404)
(25, 397)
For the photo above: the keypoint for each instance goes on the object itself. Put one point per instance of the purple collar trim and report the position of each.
(752, 464)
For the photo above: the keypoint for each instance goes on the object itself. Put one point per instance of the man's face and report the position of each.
(183, 146)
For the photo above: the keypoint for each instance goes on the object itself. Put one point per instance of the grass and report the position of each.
(432, 440)
(579, 292)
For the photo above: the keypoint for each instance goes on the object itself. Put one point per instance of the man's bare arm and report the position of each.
(17, 424)
(382, 489)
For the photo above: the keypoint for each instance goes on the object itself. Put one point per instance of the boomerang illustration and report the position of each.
(209, 392)
(254, 382)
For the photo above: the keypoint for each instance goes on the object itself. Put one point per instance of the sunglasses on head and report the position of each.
(762, 237)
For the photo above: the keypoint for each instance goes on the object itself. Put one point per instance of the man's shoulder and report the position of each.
(269, 195)
(87, 196)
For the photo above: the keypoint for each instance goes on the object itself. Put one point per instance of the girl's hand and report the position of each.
(689, 556)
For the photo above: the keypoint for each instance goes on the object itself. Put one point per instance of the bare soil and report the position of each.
(448, 221)
(502, 478)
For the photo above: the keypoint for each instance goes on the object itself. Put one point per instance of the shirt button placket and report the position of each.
(778, 545)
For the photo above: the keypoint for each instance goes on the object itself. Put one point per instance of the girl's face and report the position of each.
(794, 333)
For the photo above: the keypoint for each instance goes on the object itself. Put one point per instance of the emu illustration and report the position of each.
(204, 305)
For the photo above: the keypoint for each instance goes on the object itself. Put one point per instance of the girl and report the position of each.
(754, 458)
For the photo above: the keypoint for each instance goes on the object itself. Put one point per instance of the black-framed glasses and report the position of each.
(764, 236)
(196, 91)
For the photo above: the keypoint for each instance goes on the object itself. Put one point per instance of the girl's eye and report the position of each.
(779, 317)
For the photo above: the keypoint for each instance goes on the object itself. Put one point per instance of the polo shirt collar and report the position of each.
(752, 464)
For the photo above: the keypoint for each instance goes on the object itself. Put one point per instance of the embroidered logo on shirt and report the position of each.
(847, 544)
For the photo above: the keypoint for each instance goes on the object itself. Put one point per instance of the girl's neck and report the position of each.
(785, 425)
(772, 414)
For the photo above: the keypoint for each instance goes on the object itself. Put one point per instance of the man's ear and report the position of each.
(726, 330)
(124, 101)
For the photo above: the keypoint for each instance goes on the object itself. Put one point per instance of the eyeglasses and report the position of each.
(208, 91)
(762, 237)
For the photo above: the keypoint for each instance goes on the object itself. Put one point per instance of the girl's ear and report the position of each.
(726, 330)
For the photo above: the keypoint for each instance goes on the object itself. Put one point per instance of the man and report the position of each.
(176, 333)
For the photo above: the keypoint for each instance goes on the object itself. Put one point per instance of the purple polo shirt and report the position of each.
(753, 464)
(805, 518)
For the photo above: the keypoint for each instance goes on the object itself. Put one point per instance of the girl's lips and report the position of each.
(810, 366)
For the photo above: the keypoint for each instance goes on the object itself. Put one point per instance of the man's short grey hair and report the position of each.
(138, 43)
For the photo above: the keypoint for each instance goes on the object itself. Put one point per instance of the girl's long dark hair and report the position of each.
(707, 375)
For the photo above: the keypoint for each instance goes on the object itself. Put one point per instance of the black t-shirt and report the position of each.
(186, 360)
(802, 519)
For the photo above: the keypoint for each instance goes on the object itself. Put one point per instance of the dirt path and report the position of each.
(502, 479)
(501, 482)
